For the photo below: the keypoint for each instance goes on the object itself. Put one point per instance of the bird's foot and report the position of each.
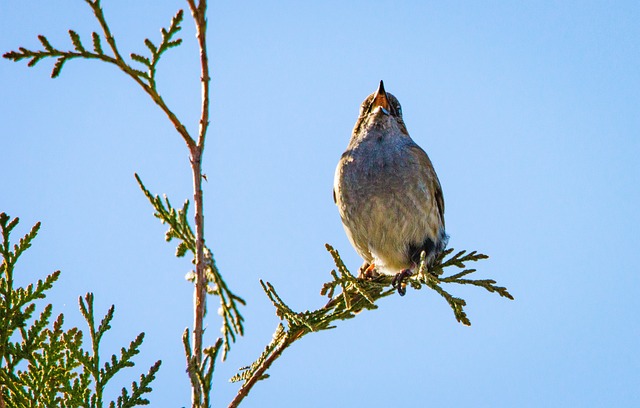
(399, 281)
(368, 272)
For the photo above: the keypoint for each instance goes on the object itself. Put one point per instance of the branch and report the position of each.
(200, 291)
(146, 80)
(199, 16)
(355, 294)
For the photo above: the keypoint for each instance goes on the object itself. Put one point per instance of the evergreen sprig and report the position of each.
(146, 79)
(433, 278)
(177, 221)
(101, 374)
(80, 51)
(356, 294)
(166, 43)
(51, 368)
(17, 305)
(137, 391)
(43, 365)
(179, 228)
(232, 320)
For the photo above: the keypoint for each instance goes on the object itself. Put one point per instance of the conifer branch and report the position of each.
(101, 374)
(177, 220)
(137, 391)
(41, 364)
(166, 43)
(146, 80)
(179, 228)
(356, 294)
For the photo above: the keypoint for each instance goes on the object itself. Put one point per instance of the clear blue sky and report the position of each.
(529, 111)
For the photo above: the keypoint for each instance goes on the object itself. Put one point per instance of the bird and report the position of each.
(388, 194)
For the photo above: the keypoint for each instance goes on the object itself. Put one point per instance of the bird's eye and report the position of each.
(399, 109)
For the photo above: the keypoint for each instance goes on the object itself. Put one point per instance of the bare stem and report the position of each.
(199, 15)
(200, 292)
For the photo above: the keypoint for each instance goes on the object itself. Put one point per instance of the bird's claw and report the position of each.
(399, 281)
(368, 272)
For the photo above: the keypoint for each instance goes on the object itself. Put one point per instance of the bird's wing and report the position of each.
(430, 178)
(439, 199)
(346, 156)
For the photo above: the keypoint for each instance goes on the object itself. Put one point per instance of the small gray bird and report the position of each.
(388, 193)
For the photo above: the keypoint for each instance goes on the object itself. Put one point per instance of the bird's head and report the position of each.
(380, 110)
(381, 102)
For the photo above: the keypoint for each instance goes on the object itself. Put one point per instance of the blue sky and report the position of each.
(528, 110)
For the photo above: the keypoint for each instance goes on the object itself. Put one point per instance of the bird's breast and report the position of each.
(384, 201)
(376, 167)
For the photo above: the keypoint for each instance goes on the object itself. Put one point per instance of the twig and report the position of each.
(200, 291)
(199, 15)
(356, 294)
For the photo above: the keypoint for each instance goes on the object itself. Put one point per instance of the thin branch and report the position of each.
(356, 294)
(141, 78)
(150, 90)
(200, 291)
(199, 15)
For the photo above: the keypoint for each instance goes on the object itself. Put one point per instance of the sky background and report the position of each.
(528, 110)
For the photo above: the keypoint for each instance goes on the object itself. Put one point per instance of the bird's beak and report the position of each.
(380, 99)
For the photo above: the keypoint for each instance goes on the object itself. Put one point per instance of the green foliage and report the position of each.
(179, 228)
(232, 320)
(101, 374)
(43, 365)
(433, 279)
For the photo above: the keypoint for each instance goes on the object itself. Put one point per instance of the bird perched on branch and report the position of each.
(388, 194)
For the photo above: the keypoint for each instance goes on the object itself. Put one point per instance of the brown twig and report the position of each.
(199, 15)
(200, 292)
